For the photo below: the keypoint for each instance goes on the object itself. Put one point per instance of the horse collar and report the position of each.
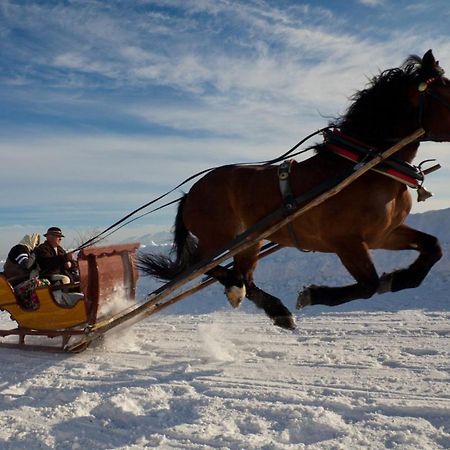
(413, 176)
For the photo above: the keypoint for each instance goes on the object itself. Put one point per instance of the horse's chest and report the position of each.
(384, 220)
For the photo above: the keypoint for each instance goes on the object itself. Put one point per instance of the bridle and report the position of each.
(425, 88)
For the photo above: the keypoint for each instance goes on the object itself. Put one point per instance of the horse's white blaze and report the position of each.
(235, 295)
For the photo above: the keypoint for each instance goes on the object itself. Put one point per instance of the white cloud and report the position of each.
(91, 166)
(253, 90)
(147, 49)
(372, 2)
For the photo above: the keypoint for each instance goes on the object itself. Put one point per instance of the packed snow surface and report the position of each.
(231, 380)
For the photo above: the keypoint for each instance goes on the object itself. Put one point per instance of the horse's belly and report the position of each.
(328, 226)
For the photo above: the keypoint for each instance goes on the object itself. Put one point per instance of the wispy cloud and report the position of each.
(136, 87)
(372, 2)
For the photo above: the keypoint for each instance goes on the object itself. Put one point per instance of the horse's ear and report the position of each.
(428, 62)
(430, 67)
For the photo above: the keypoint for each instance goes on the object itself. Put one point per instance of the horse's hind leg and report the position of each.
(245, 264)
(356, 259)
(233, 281)
(406, 238)
(235, 288)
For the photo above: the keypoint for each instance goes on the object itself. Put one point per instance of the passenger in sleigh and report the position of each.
(58, 266)
(21, 270)
(21, 260)
(54, 262)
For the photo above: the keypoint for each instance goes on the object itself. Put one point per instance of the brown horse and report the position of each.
(368, 214)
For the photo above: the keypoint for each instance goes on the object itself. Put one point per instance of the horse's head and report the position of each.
(431, 96)
(400, 100)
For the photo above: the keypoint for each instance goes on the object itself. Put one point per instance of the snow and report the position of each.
(230, 380)
(372, 374)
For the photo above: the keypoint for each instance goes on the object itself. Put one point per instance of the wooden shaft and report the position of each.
(258, 232)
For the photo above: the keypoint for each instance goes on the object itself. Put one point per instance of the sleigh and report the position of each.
(106, 274)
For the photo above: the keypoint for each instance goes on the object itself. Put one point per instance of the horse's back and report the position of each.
(229, 199)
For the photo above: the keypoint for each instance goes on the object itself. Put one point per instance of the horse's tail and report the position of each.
(184, 248)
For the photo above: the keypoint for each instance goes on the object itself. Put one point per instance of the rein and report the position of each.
(410, 175)
(115, 226)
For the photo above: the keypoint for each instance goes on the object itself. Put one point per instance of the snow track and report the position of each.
(231, 380)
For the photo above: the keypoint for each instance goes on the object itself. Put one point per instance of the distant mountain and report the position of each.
(161, 238)
(285, 272)
(435, 222)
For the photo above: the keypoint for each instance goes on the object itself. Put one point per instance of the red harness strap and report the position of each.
(398, 175)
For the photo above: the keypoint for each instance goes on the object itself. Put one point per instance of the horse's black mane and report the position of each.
(379, 112)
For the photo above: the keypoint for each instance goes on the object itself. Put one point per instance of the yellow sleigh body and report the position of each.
(104, 271)
(48, 316)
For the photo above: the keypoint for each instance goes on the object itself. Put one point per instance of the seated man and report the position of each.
(21, 261)
(53, 260)
(57, 265)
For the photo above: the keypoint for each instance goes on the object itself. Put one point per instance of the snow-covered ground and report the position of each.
(372, 374)
(230, 380)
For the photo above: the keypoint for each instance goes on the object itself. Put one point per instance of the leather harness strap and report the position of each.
(289, 201)
(284, 170)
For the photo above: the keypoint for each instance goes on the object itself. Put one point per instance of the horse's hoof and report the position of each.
(304, 298)
(235, 295)
(286, 322)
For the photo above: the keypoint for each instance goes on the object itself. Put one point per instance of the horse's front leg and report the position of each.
(355, 256)
(406, 238)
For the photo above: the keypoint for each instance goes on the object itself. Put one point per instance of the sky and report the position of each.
(107, 104)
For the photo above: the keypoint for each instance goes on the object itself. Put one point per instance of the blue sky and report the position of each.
(106, 104)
